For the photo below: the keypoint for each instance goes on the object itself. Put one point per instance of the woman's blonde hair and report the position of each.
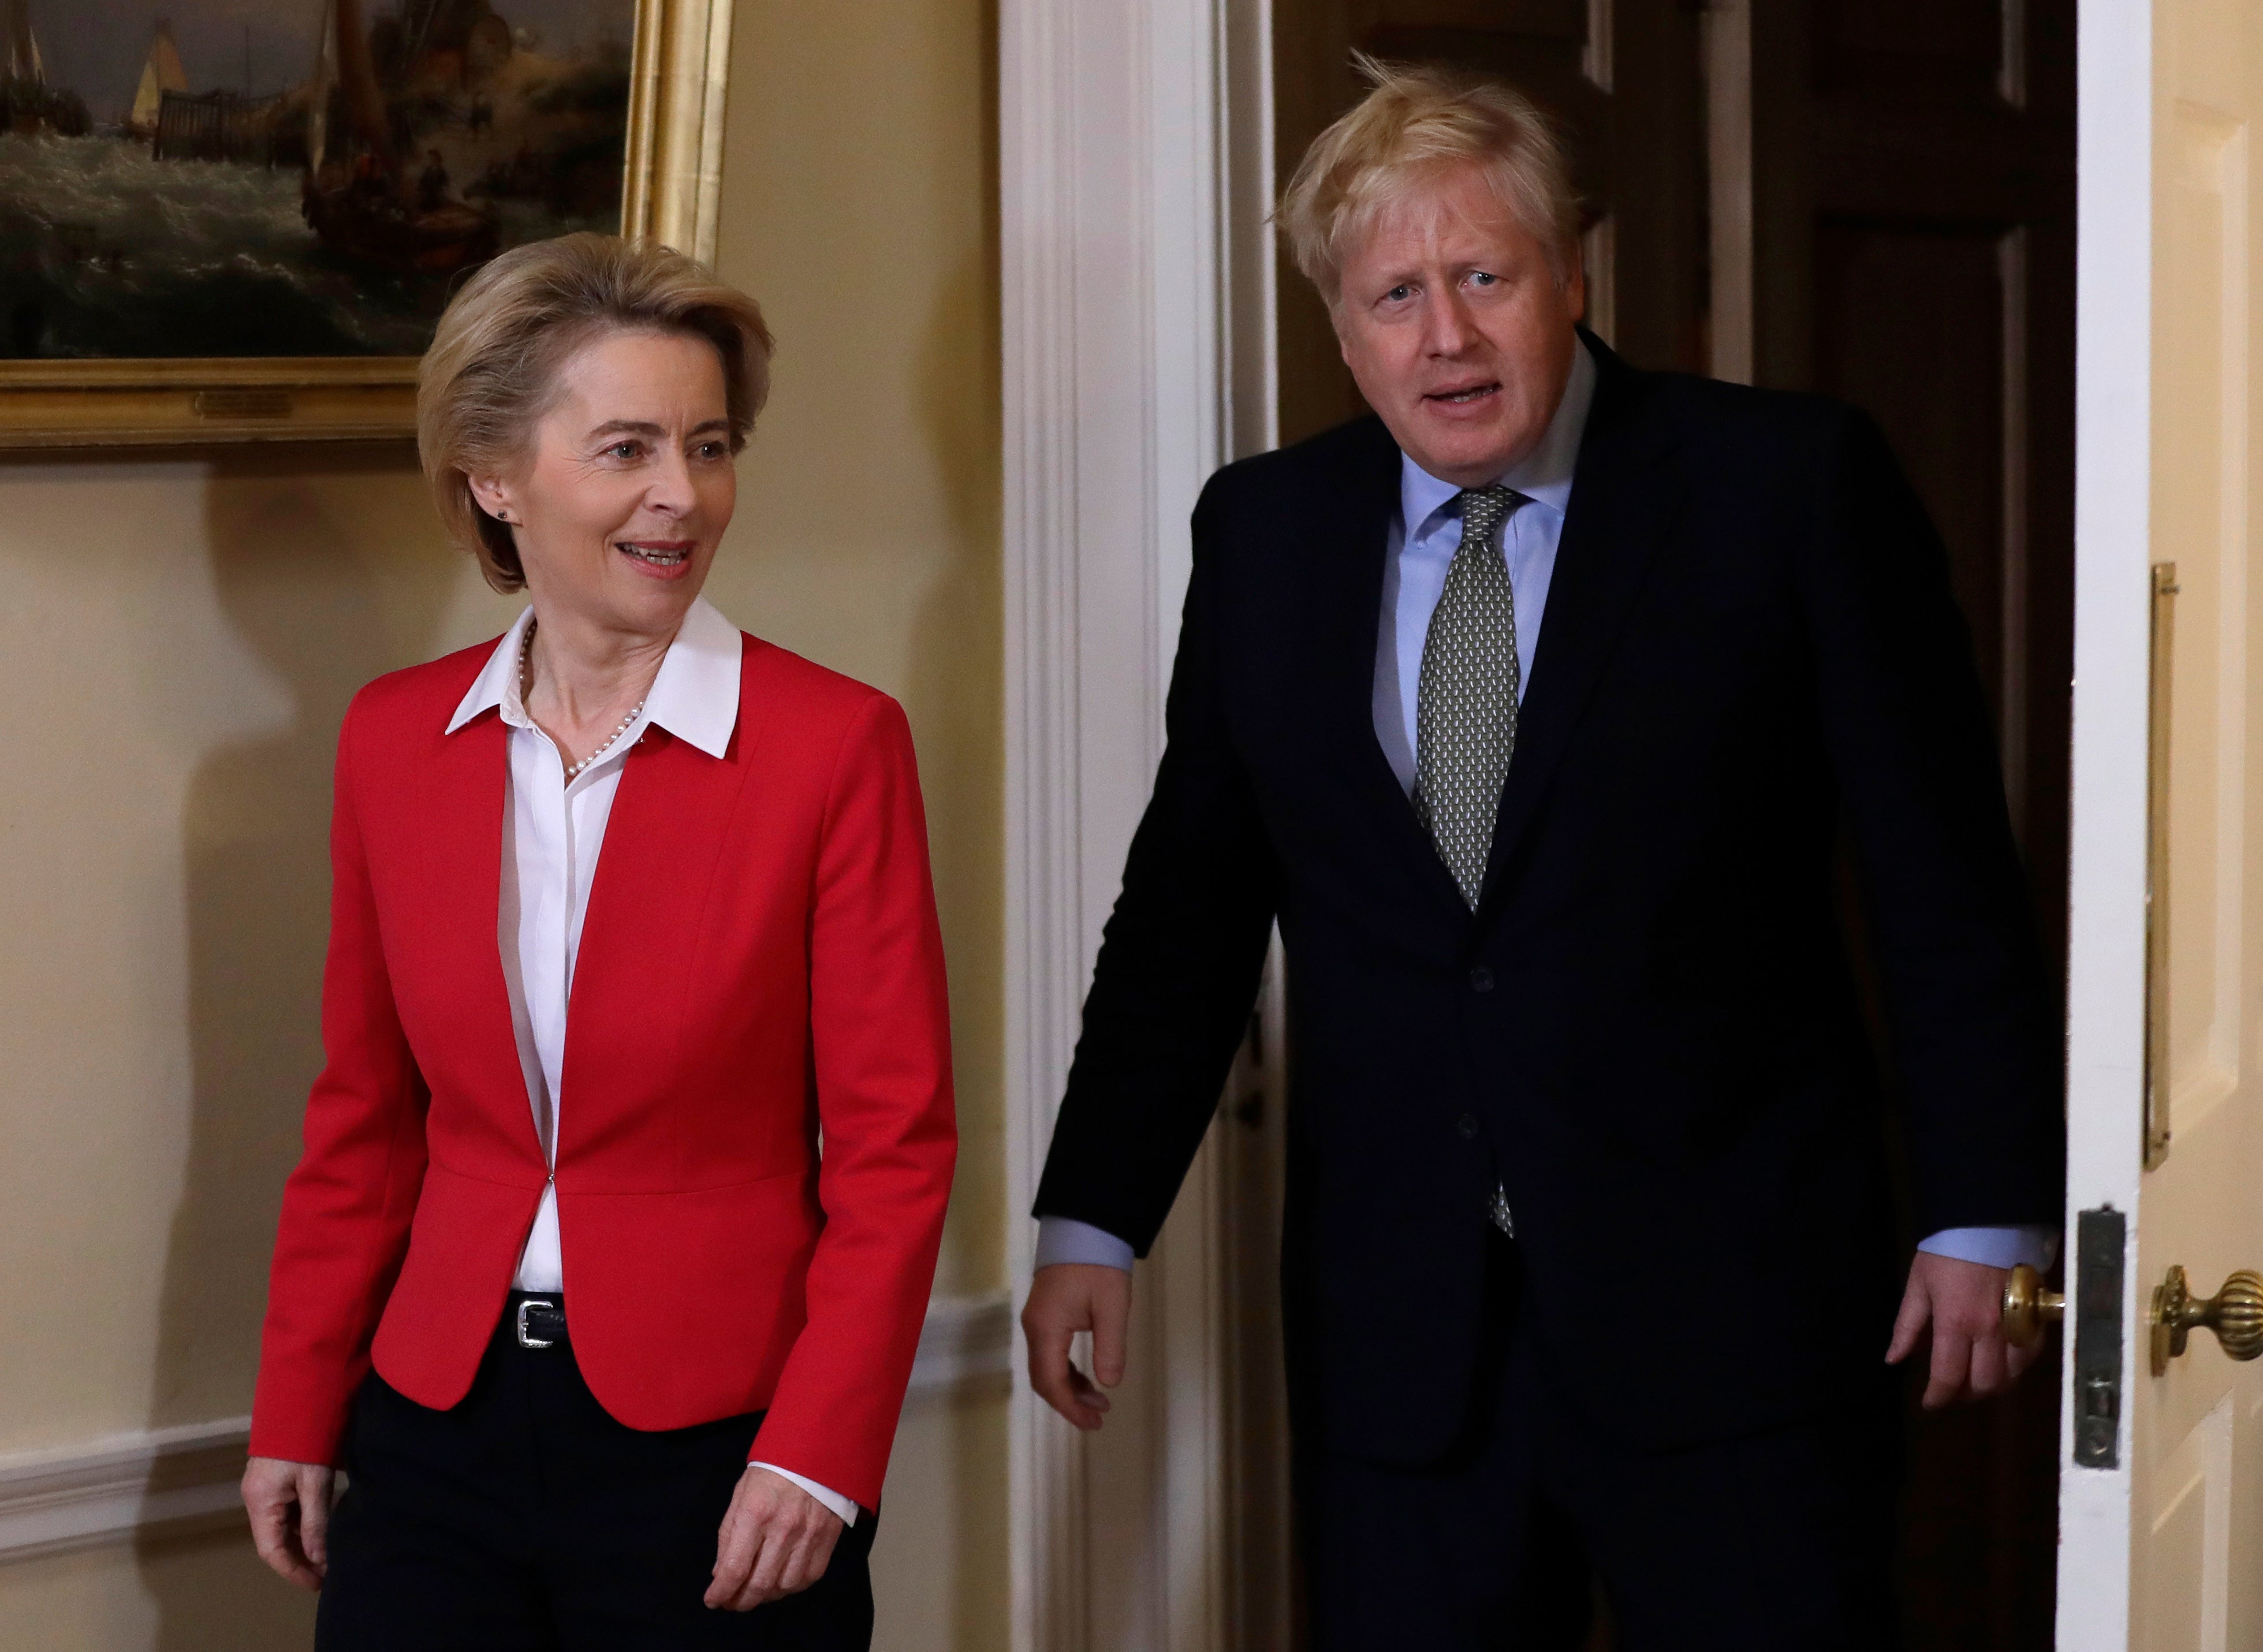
(493, 367)
(1414, 122)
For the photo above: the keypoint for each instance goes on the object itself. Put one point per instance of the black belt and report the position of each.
(538, 1320)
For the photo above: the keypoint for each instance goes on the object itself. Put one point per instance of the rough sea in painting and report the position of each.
(330, 215)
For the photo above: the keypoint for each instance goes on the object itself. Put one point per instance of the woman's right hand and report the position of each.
(290, 1507)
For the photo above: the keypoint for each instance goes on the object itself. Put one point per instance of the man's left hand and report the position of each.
(1963, 1303)
(775, 1540)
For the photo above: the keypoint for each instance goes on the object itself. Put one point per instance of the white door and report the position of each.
(2162, 1465)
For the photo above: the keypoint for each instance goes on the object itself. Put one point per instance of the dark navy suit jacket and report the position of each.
(1650, 1029)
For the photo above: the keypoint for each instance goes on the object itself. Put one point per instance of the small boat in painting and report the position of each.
(358, 196)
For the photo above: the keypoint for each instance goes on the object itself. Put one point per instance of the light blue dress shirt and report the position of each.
(1427, 532)
(1423, 538)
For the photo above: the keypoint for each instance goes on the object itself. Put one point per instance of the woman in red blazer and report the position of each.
(604, 1270)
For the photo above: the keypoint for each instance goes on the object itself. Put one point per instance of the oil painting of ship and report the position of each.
(289, 178)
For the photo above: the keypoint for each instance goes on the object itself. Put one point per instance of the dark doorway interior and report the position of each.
(1876, 202)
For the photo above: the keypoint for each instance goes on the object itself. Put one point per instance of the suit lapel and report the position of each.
(1623, 503)
(1354, 533)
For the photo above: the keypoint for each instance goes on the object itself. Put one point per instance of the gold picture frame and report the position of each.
(671, 184)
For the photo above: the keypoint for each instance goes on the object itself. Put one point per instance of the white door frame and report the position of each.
(1136, 274)
(2105, 965)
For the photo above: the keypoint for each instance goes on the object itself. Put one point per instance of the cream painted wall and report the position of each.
(179, 634)
(868, 528)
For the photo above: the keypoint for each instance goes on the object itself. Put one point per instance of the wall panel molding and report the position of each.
(106, 1489)
(80, 1496)
(966, 1343)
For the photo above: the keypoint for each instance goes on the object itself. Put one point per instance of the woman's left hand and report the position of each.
(775, 1540)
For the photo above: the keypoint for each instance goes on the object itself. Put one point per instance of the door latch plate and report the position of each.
(2101, 1241)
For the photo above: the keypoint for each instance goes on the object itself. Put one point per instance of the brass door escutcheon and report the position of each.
(2028, 1306)
(2234, 1313)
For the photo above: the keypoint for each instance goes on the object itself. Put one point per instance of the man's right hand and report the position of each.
(290, 1508)
(1064, 1299)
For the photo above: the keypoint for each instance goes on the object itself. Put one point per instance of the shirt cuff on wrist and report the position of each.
(1065, 1239)
(1997, 1247)
(843, 1507)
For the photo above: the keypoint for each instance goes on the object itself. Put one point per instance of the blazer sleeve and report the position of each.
(1945, 900)
(347, 1206)
(880, 1039)
(1180, 956)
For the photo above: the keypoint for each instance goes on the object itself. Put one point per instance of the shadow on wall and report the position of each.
(256, 863)
(953, 688)
(958, 657)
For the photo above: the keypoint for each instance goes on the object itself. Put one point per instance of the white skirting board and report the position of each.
(967, 1341)
(98, 1492)
(110, 1488)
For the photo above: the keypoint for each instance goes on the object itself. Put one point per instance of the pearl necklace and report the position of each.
(526, 682)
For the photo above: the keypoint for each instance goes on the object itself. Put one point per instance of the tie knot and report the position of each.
(1485, 509)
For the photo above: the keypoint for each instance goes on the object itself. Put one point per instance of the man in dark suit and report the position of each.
(1532, 708)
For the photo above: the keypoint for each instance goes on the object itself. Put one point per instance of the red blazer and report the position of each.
(760, 960)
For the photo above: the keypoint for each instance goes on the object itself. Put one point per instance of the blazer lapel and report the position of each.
(462, 834)
(633, 974)
(1624, 500)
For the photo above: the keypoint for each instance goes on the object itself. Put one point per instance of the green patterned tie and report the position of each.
(1465, 709)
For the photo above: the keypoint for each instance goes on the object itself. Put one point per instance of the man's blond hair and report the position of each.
(1415, 122)
(493, 368)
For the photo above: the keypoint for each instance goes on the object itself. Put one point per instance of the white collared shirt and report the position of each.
(553, 829)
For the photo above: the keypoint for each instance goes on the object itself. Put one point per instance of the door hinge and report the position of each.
(2100, 1242)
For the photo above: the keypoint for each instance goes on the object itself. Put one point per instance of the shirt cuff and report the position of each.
(1065, 1239)
(1997, 1247)
(843, 1507)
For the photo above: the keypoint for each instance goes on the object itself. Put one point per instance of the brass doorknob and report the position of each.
(2026, 1305)
(2234, 1313)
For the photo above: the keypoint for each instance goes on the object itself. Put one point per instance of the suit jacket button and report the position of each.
(1467, 1125)
(1481, 979)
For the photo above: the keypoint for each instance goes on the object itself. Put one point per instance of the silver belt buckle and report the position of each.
(1497, 1208)
(527, 1339)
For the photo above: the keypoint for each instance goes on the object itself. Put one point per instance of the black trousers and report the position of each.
(526, 1520)
(1774, 1542)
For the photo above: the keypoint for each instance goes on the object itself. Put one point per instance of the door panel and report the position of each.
(1912, 251)
(2196, 1435)
(1892, 295)
(2190, 1533)
(2194, 1476)
(2200, 509)
(1951, 44)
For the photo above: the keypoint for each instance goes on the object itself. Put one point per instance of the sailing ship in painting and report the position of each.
(358, 196)
(28, 104)
(157, 199)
